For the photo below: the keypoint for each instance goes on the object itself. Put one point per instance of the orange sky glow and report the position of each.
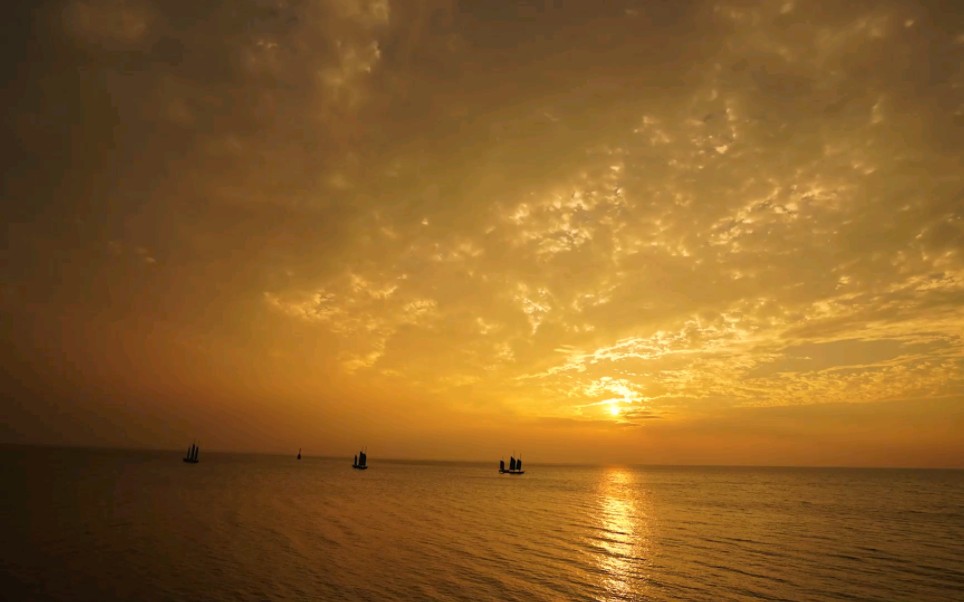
(724, 232)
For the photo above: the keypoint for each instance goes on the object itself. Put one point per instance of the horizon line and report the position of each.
(475, 461)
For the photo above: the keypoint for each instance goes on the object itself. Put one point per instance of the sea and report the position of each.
(81, 524)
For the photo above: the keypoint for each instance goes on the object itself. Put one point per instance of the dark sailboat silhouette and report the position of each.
(192, 453)
(361, 461)
(515, 466)
(299, 453)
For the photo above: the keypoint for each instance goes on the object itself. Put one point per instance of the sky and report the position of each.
(641, 232)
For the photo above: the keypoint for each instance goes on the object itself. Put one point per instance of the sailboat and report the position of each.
(361, 461)
(192, 452)
(299, 453)
(515, 466)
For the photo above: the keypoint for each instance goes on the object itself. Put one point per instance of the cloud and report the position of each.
(520, 209)
(755, 210)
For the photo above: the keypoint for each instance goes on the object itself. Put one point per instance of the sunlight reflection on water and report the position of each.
(624, 537)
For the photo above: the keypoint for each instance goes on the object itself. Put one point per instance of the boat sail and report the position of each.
(299, 453)
(192, 453)
(361, 461)
(515, 466)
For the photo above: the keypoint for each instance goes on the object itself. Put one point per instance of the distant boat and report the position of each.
(192, 452)
(361, 461)
(515, 466)
(299, 453)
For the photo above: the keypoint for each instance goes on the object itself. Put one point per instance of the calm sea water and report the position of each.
(102, 525)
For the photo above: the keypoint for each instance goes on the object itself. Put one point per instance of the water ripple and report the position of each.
(141, 526)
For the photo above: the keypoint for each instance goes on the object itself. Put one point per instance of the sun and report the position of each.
(614, 409)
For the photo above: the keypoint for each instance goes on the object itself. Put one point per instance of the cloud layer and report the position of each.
(635, 213)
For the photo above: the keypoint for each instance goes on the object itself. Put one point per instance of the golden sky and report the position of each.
(628, 231)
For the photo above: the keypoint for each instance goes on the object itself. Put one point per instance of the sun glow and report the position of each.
(614, 409)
